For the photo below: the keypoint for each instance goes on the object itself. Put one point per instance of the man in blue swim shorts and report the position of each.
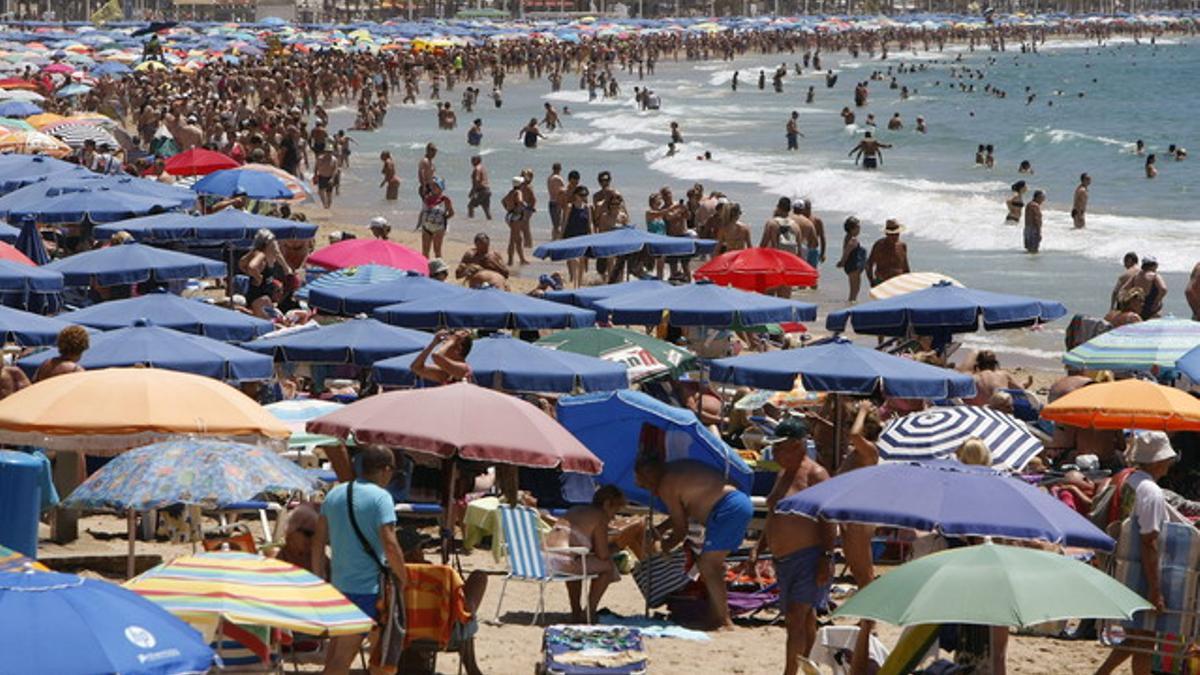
(696, 492)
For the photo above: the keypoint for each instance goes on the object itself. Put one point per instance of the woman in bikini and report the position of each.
(1015, 203)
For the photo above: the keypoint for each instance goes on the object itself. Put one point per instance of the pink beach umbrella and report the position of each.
(356, 252)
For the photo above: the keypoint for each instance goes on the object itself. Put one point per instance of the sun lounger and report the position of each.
(592, 650)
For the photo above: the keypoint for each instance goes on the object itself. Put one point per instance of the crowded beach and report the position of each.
(252, 424)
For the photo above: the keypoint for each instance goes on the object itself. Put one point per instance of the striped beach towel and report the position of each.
(433, 603)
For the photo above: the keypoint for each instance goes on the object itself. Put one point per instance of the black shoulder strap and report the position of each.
(362, 539)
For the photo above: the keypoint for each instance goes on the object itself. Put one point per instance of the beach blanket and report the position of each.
(654, 628)
(1179, 557)
(434, 603)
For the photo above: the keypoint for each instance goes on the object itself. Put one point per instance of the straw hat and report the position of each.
(893, 226)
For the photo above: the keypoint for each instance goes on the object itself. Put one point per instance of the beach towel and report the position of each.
(434, 603)
(657, 577)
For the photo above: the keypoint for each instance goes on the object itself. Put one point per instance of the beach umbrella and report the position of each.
(8, 233)
(840, 366)
(33, 143)
(18, 109)
(241, 226)
(460, 420)
(198, 162)
(485, 308)
(202, 472)
(111, 69)
(43, 120)
(32, 288)
(250, 589)
(296, 413)
(354, 290)
(360, 342)
(30, 244)
(97, 205)
(944, 309)
(30, 197)
(172, 226)
(622, 241)
(1126, 404)
(642, 355)
(355, 252)
(78, 133)
(586, 296)
(10, 254)
(758, 269)
(502, 362)
(300, 190)
(69, 625)
(171, 311)
(1145, 345)
(18, 170)
(11, 561)
(613, 425)
(21, 95)
(133, 264)
(108, 411)
(993, 585)
(235, 182)
(1189, 364)
(953, 499)
(152, 346)
(702, 304)
(28, 329)
(936, 433)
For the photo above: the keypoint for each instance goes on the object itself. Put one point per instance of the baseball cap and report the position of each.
(792, 427)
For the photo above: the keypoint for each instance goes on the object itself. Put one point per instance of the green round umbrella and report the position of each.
(642, 355)
(993, 585)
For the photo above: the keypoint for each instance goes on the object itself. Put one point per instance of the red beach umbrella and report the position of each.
(356, 252)
(758, 269)
(199, 162)
(10, 252)
(461, 420)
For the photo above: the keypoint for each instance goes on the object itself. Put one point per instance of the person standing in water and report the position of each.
(1151, 169)
(1015, 203)
(391, 182)
(854, 257)
(1079, 205)
(793, 131)
(530, 133)
(1033, 222)
(869, 151)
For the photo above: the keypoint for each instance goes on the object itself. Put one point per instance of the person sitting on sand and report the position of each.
(586, 526)
(448, 351)
(989, 378)
(72, 343)
(481, 256)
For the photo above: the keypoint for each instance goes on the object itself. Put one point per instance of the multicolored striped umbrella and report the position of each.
(249, 589)
(938, 432)
(1157, 343)
(11, 561)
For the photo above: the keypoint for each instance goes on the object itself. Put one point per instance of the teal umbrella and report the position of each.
(1158, 343)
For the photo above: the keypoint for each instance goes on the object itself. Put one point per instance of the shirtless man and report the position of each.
(72, 343)
(869, 151)
(1154, 289)
(1130, 261)
(793, 131)
(732, 233)
(426, 170)
(587, 526)
(889, 255)
(814, 247)
(481, 256)
(551, 121)
(990, 378)
(556, 188)
(390, 179)
(780, 232)
(323, 171)
(1033, 222)
(696, 492)
(1192, 292)
(1079, 205)
(448, 351)
(481, 189)
(12, 380)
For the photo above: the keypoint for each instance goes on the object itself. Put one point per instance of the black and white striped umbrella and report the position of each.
(938, 432)
(75, 135)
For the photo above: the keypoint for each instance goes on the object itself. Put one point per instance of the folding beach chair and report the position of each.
(527, 559)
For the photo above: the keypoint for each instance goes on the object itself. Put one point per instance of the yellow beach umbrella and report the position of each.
(43, 120)
(32, 143)
(150, 65)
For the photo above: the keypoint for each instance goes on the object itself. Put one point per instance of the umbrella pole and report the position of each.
(837, 431)
(131, 532)
(447, 520)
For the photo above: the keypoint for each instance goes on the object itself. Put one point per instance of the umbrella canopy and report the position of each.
(76, 134)
(586, 296)
(250, 589)
(97, 205)
(944, 309)
(355, 252)
(1189, 364)
(108, 411)
(18, 170)
(993, 585)
(31, 198)
(8, 233)
(953, 499)
(133, 264)
(295, 413)
(21, 277)
(10, 254)
(840, 366)
(622, 241)
(33, 143)
(460, 420)
(612, 424)
(936, 433)
(195, 471)
(502, 362)
(1126, 404)
(28, 329)
(11, 561)
(702, 304)
(146, 345)
(198, 162)
(171, 311)
(353, 290)
(108, 629)
(235, 182)
(485, 308)
(641, 355)
(361, 342)
(299, 190)
(758, 269)
(227, 225)
(1146, 345)
(18, 109)
(30, 243)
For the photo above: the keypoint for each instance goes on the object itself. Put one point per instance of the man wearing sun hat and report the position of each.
(889, 255)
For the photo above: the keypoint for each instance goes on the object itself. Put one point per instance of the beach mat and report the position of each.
(592, 650)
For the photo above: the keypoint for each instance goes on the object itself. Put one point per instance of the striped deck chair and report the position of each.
(527, 559)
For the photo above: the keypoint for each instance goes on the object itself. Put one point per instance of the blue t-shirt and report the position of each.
(353, 570)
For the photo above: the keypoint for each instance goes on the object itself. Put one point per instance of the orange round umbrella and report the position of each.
(108, 411)
(1128, 404)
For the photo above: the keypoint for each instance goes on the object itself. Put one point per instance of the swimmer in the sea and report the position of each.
(1151, 169)
(1025, 168)
(869, 151)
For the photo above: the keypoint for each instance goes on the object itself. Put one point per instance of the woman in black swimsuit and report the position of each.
(854, 257)
(530, 133)
(579, 223)
(1015, 203)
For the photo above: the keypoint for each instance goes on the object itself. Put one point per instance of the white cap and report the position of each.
(518, 181)
(379, 221)
(1152, 446)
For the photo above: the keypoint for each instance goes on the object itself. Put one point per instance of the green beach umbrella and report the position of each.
(993, 585)
(642, 355)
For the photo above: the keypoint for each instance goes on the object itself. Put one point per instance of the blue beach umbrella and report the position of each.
(31, 288)
(702, 304)
(948, 497)
(502, 362)
(585, 297)
(937, 433)
(132, 264)
(614, 425)
(485, 308)
(360, 342)
(98, 205)
(358, 290)
(29, 242)
(17, 171)
(30, 196)
(841, 367)
(171, 311)
(235, 225)
(69, 625)
(157, 347)
(19, 109)
(352, 278)
(234, 182)
(28, 329)
(173, 226)
(9, 234)
(111, 69)
(622, 241)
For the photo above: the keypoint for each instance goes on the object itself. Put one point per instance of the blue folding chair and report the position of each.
(527, 559)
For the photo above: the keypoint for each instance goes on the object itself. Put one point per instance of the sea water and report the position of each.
(1103, 99)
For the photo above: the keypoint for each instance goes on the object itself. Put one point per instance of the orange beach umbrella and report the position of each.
(1127, 404)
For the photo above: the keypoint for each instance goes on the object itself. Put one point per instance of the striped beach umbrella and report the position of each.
(938, 432)
(249, 589)
(1158, 343)
(78, 133)
(11, 561)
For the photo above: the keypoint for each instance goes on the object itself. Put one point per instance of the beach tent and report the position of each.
(360, 342)
(622, 241)
(485, 308)
(131, 264)
(586, 296)
(171, 311)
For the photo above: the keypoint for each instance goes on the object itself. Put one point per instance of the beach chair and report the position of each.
(527, 559)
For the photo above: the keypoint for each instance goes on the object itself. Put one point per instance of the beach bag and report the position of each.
(387, 644)
(660, 576)
(1106, 507)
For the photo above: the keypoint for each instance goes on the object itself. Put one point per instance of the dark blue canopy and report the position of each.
(613, 425)
(31, 288)
(358, 290)
(502, 362)
(842, 367)
(29, 198)
(228, 225)
(252, 184)
(944, 309)
(158, 228)
(361, 342)
(622, 241)
(171, 311)
(159, 347)
(8, 233)
(131, 264)
(485, 308)
(17, 171)
(703, 304)
(585, 297)
(27, 329)
(29, 242)
(98, 205)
